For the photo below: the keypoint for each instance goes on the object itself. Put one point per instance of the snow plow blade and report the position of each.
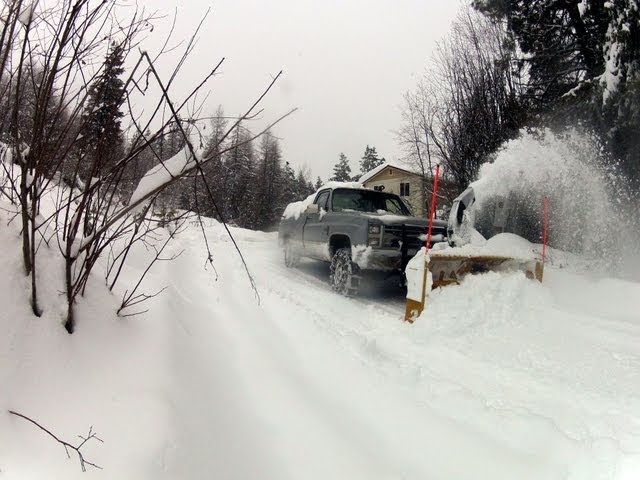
(448, 269)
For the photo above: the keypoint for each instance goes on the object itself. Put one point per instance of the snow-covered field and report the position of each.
(501, 378)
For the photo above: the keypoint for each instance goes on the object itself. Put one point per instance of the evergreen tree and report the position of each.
(265, 194)
(581, 64)
(140, 165)
(213, 168)
(303, 185)
(287, 187)
(101, 136)
(239, 175)
(319, 183)
(620, 86)
(342, 170)
(289, 183)
(370, 160)
(179, 194)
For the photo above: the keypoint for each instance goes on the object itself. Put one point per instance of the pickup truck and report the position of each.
(355, 229)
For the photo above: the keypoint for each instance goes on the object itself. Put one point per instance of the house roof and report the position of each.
(372, 173)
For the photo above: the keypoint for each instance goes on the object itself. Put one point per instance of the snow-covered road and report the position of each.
(501, 378)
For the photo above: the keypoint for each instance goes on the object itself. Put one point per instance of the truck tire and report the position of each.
(344, 273)
(291, 257)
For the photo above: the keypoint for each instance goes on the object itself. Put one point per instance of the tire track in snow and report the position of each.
(473, 373)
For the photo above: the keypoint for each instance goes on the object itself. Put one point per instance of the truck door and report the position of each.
(315, 233)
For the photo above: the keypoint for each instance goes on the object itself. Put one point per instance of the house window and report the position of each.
(404, 189)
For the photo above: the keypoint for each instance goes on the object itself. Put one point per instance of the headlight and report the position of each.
(375, 235)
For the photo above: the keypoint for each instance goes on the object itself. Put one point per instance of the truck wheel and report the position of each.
(291, 258)
(344, 273)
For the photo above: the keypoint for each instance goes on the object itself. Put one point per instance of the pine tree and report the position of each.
(213, 168)
(620, 86)
(581, 64)
(177, 195)
(319, 183)
(287, 187)
(304, 186)
(370, 160)
(101, 136)
(342, 170)
(140, 165)
(239, 175)
(264, 190)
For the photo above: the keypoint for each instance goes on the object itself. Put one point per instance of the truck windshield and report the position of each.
(368, 201)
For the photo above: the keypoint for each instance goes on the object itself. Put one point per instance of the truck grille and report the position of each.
(414, 235)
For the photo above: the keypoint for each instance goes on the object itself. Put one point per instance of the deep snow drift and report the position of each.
(500, 378)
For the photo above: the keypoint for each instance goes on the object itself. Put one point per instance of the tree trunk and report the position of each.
(70, 324)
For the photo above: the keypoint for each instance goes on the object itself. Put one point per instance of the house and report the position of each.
(400, 180)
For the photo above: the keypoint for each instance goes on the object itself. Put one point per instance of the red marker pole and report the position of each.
(415, 307)
(545, 226)
(539, 268)
(433, 206)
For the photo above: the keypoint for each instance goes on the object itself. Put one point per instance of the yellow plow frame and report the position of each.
(447, 269)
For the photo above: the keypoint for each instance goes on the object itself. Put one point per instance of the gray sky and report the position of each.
(346, 66)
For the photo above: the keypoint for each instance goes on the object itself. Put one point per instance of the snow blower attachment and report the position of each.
(442, 267)
(447, 268)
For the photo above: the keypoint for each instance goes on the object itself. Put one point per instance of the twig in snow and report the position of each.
(91, 435)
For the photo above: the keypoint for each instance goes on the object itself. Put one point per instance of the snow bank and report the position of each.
(501, 377)
(414, 273)
(111, 374)
(501, 245)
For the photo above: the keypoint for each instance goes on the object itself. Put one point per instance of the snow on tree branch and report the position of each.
(162, 174)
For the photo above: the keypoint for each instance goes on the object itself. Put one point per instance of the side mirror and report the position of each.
(313, 208)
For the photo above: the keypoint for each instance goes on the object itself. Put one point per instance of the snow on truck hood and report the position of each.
(500, 245)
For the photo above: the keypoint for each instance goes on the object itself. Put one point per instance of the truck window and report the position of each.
(322, 199)
(368, 201)
(395, 206)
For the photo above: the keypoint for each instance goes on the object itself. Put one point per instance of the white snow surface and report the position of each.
(500, 245)
(582, 7)
(611, 77)
(385, 217)
(414, 273)
(500, 378)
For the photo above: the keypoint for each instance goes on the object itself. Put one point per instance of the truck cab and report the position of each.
(367, 229)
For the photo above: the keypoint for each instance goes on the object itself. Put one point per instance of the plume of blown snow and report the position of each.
(591, 207)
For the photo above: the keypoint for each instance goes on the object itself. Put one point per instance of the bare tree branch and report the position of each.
(90, 436)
